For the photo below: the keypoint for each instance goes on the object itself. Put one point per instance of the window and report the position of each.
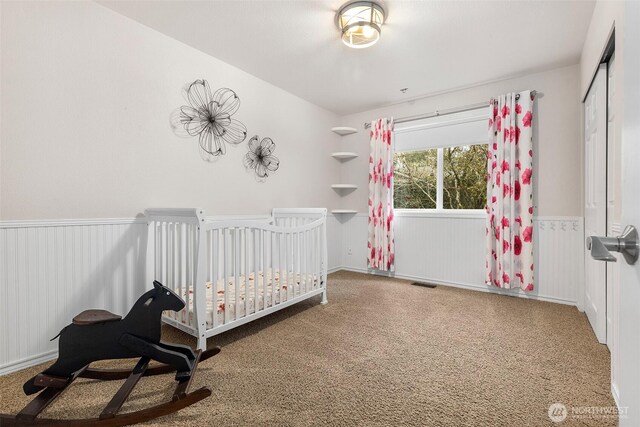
(441, 165)
(415, 179)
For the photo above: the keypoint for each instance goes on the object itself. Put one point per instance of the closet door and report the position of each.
(595, 223)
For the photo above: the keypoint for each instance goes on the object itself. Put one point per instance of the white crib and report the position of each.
(232, 271)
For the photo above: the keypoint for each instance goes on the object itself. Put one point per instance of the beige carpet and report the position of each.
(381, 353)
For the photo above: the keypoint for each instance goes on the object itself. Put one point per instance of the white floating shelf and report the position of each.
(344, 130)
(344, 212)
(344, 155)
(344, 186)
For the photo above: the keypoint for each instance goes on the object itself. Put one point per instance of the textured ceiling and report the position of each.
(427, 46)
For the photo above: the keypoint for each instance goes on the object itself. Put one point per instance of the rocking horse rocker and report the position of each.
(99, 335)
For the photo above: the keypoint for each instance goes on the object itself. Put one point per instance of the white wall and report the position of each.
(86, 99)
(556, 133)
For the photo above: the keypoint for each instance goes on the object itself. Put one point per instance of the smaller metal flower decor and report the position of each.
(260, 157)
(208, 116)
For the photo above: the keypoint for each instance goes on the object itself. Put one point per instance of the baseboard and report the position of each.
(481, 288)
(28, 362)
(616, 397)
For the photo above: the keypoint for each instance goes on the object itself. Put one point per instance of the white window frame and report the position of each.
(440, 211)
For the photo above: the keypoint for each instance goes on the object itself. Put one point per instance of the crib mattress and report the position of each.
(292, 285)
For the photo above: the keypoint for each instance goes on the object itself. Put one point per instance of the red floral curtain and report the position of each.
(509, 192)
(380, 254)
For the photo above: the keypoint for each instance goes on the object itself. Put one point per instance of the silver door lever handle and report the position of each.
(627, 244)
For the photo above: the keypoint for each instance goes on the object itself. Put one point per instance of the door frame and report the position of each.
(607, 54)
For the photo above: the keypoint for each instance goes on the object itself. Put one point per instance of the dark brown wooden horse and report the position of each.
(99, 335)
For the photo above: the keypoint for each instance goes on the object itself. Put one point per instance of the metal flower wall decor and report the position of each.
(260, 157)
(209, 117)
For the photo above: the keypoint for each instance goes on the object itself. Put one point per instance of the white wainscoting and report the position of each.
(52, 270)
(334, 242)
(449, 250)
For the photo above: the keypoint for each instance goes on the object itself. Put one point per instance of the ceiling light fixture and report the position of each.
(360, 22)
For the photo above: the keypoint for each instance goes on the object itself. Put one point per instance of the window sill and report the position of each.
(441, 213)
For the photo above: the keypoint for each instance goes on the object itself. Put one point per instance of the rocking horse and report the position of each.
(97, 335)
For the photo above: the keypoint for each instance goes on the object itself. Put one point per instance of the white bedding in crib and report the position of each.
(277, 291)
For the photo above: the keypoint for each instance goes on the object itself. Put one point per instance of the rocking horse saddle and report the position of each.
(90, 317)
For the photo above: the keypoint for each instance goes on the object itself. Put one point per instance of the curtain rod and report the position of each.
(437, 113)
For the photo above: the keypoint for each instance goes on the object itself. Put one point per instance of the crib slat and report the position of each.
(298, 263)
(182, 269)
(175, 259)
(311, 264)
(263, 247)
(177, 268)
(291, 280)
(236, 267)
(295, 253)
(317, 247)
(314, 264)
(246, 271)
(190, 285)
(308, 267)
(225, 253)
(303, 269)
(301, 253)
(214, 276)
(275, 265)
(154, 271)
(210, 293)
(289, 259)
(170, 283)
(169, 254)
(163, 246)
(255, 237)
(285, 273)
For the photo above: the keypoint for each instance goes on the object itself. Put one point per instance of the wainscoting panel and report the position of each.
(334, 242)
(450, 250)
(50, 271)
(559, 255)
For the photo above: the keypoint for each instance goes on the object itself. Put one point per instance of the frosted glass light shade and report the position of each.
(360, 23)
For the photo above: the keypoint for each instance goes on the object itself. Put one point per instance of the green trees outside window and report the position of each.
(464, 169)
